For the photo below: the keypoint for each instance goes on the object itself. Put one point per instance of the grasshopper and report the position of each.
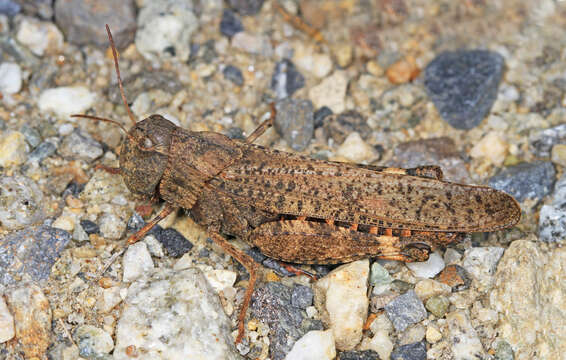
(295, 208)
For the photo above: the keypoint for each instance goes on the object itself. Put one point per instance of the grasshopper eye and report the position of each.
(147, 143)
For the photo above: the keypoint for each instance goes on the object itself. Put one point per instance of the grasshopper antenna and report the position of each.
(115, 56)
(96, 118)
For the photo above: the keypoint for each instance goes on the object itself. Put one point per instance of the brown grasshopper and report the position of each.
(298, 209)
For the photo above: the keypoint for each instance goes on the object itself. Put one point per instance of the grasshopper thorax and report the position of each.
(144, 154)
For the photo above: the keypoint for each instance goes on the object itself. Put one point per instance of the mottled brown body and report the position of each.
(298, 209)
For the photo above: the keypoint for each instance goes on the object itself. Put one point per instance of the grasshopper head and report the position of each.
(144, 154)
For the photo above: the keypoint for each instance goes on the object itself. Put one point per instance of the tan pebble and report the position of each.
(106, 282)
(403, 71)
(83, 252)
(271, 276)
(558, 155)
(373, 68)
(343, 54)
(432, 334)
(64, 222)
(73, 202)
(253, 325)
(96, 240)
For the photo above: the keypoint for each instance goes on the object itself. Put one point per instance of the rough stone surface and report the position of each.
(165, 28)
(136, 262)
(314, 345)
(463, 85)
(81, 21)
(464, 339)
(359, 355)
(174, 315)
(174, 242)
(355, 149)
(41, 37)
(230, 24)
(530, 295)
(295, 122)
(302, 296)
(428, 288)
(541, 142)
(414, 351)
(13, 149)
(10, 78)
(80, 146)
(341, 298)
(32, 318)
(517, 180)
(405, 310)
(330, 92)
(272, 305)
(233, 74)
(481, 263)
(552, 218)
(31, 252)
(429, 268)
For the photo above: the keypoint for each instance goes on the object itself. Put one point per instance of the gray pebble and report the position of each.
(302, 296)
(518, 181)
(90, 227)
(341, 125)
(31, 251)
(32, 135)
(174, 243)
(463, 85)
(552, 219)
(80, 146)
(82, 21)
(233, 74)
(272, 305)
(414, 351)
(93, 343)
(10, 7)
(295, 122)
(21, 202)
(405, 310)
(230, 24)
(277, 266)
(504, 351)
(541, 142)
(286, 79)
(320, 115)
(359, 355)
(135, 85)
(44, 150)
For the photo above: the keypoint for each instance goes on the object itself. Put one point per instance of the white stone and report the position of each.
(220, 279)
(427, 269)
(341, 299)
(13, 149)
(64, 222)
(319, 65)
(464, 340)
(66, 100)
(65, 129)
(10, 78)
(112, 226)
(355, 149)
(252, 43)
(165, 24)
(136, 262)
(452, 256)
(109, 299)
(380, 343)
(314, 345)
(330, 92)
(492, 146)
(481, 263)
(428, 288)
(7, 330)
(41, 37)
(178, 306)
(154, 246)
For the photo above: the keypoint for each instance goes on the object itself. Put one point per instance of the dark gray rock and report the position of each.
(277, 266)
(526, 180)
(233, 74)
(295, 122)
(541, 142)
(302, 296)
(31, 251)
(405, 310)
(32, 135)
(230, 24)
(80, 146)
(463, 85)
(174, 243)
(359, 355)
(89, 227)
(246, 7)
(37, 8)
(135, 85)
(320, 115)
(286, 79)
(414, 351)
(272, 305)
(82, 22)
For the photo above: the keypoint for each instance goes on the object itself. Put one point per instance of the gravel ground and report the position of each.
(476, 87)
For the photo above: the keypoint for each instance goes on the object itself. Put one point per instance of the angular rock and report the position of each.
(7, 330)
(463, 337)
(552, 218)
(10, 78)
(429, 268)
(174, 242)
(405, 310)
(330, 92)
(81, 21)
(463, 85)
(93, 343)
(233, 74)
(13, 149)
(302, 296)
(314, 345)
(518, 181)
(31, 251)
(174, 315)
(286, 79)
(32, 318)
(541, 142)
(456, 277)
(414, 351)
(295, 122)
(342, 301)
(80, 146)
(481, 263)
(66, 100)
(230, 24)
(136, 262)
